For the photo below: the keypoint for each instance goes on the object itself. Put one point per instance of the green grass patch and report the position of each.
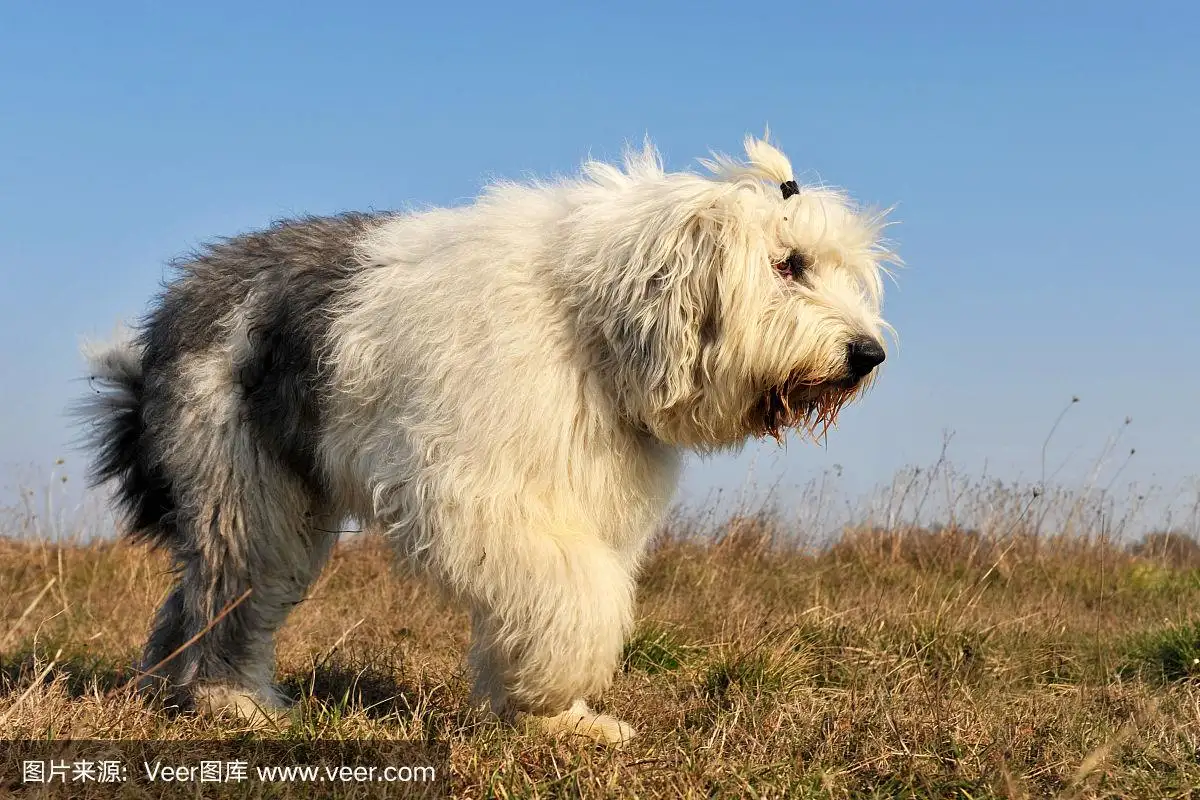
(655, 648)
(754, 673)
(1168, 654)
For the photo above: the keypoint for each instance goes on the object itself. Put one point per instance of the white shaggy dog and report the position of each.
(505, 388)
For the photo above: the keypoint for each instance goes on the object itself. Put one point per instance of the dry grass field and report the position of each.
(1016, 658)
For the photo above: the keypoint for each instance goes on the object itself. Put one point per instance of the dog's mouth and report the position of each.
(803, 405)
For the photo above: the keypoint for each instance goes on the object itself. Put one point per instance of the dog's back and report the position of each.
(255, 306)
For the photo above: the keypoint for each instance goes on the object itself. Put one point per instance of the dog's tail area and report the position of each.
(115, 433)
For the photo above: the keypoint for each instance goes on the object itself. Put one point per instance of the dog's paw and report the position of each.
(579, 720)
(257, 708)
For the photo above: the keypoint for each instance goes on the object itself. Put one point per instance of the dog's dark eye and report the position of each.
(794, 266)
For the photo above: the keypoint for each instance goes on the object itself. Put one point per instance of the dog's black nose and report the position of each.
(864, 355)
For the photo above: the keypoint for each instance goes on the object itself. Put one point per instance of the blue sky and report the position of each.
(1042, 158)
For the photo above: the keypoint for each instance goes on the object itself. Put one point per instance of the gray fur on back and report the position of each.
(281, 281)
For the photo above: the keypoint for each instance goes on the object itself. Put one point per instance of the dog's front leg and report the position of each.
(549, 620)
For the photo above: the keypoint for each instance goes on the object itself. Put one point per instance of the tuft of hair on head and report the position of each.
(637, 164)
(768, 160)
(765, 162)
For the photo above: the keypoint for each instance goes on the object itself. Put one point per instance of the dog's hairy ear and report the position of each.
(666, 308)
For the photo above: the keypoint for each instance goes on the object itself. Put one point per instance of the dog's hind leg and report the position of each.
(251, 535)
(255, 562)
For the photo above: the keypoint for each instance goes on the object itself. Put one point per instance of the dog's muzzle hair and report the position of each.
(504, 388)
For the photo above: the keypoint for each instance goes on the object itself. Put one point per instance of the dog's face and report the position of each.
(736, 311)
(799, 291)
